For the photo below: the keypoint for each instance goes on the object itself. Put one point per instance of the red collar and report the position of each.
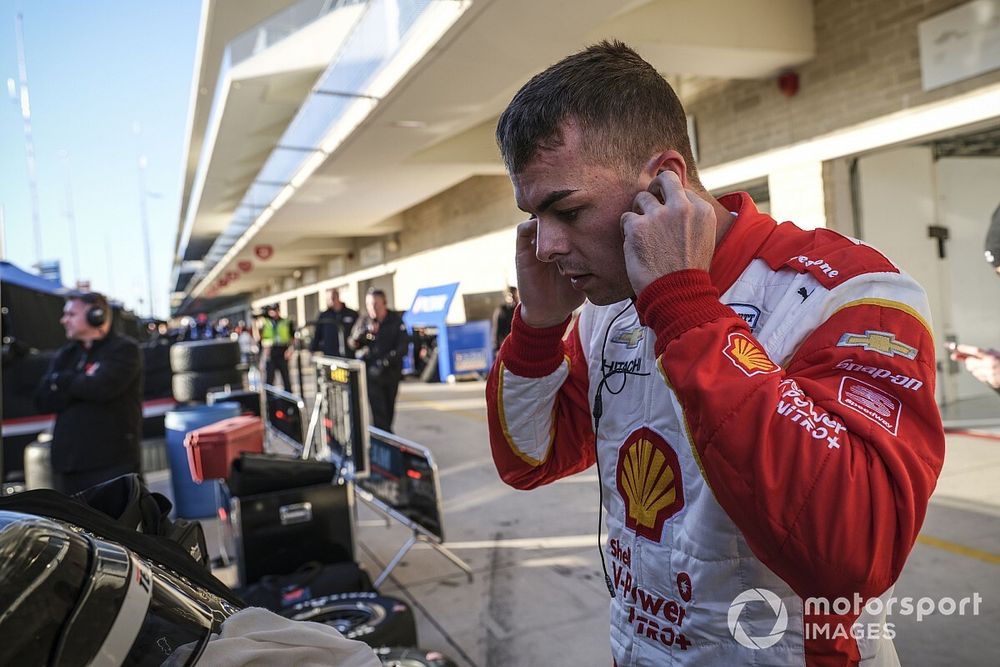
(741, 244)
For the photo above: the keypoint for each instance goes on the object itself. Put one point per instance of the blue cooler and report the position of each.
(191, 499)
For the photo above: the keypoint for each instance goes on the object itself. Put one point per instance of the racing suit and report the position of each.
(767, 436)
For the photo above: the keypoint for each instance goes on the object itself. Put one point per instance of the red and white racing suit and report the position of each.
(768, 432)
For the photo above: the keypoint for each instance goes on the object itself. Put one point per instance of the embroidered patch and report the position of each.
(883, 342)
(871, 402)
(750, 314)
(748, 356)
(649, 481)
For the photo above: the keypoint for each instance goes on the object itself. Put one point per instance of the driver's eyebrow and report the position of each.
(551, 199)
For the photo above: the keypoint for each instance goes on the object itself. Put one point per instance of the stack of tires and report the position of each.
(200, 366)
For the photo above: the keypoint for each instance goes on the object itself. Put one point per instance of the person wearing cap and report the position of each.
(94, 387)
(275, 336)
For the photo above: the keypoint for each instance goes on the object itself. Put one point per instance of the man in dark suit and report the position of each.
(333, 327)
(94, 386)
(381, 340)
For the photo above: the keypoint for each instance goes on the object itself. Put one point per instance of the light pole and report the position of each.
(29, 143)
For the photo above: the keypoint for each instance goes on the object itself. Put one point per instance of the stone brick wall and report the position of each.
(474, 207)
(867, 65)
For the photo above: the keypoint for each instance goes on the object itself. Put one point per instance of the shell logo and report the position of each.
(649, 481)
(747, 355)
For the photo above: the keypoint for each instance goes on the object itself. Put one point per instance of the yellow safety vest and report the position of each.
(283, 336)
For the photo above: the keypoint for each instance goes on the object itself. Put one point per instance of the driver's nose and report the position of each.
(551, 241)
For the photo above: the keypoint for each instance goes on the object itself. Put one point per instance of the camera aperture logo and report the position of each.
(772, 601)
(868, 615)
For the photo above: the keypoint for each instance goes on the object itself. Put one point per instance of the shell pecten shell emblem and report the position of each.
(649, 481)
(747, 355)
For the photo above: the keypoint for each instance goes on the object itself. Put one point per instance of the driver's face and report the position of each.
(579, 204)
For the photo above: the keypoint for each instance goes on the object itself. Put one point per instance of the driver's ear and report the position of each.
(668, 160)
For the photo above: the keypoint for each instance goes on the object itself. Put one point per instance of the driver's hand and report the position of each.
(669, 228)
(547, 297)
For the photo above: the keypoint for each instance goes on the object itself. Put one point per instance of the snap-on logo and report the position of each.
(881, 374)
(649, 481)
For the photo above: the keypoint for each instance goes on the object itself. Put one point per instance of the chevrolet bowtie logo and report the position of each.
(882, 342)
(629, 339)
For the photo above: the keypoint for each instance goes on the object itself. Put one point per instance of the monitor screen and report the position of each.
(284, 413)
(404, 476)
(341, 386)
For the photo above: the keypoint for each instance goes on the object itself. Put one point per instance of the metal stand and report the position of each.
(415, 536)
(314, 418)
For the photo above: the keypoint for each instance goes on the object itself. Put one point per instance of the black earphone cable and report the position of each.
(598, 410)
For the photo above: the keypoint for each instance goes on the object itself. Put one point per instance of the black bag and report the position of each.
(314, 579)
(128, 500)
(263, 473)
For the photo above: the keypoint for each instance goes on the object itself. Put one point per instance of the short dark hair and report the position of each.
(375, 291)
(624, 108)
(91, 299)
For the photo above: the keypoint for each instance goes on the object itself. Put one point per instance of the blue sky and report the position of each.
(95, 70)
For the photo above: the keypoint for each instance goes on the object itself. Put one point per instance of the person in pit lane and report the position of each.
(758, 399)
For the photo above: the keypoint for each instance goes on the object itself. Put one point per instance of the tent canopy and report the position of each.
(16, 276)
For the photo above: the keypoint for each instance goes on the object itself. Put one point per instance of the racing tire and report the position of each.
(189, 387)
(396, 656)
(374, 619)
(196, 356)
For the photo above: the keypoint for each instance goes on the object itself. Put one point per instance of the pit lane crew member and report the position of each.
(759, 399)
(94, 385)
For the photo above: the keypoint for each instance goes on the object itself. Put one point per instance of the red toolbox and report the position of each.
(211, 449)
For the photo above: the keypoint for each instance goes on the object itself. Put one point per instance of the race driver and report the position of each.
(759, 399)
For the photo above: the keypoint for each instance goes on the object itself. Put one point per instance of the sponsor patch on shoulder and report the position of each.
(747, 355)
(750, 314)
(871, 402)
(880, 373)
(883, 342)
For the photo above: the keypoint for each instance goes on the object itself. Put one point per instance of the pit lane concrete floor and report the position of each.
(538, 596)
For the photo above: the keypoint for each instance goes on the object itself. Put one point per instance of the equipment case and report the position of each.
(211, 449)
(276, 532)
